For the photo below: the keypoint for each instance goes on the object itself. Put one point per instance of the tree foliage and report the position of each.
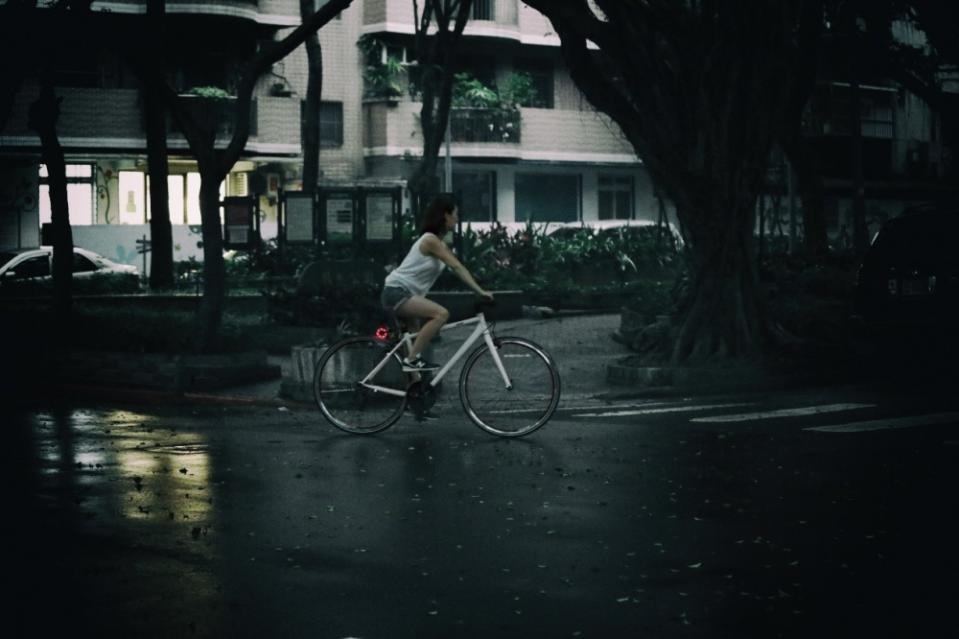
(700, 89)
(215, 163)
(439, 28)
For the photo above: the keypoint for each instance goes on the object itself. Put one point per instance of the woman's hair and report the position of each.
(434, 219)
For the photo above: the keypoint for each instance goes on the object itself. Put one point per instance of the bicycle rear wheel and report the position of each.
(341, 399)
(516, 411)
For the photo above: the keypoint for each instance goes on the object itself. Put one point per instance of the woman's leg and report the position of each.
(434, 314)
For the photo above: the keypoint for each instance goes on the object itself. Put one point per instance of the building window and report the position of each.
(541, 75)
(547, 198)
(615, 198)
(176, 185)
(133, 200)
(80, 190)
(476, 191)
(193, 198)
(331, 124)
(483, 10)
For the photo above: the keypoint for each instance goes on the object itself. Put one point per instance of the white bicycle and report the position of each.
(509, 386)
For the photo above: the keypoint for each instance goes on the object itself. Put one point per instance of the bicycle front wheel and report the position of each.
(346, 403)
(521, 408)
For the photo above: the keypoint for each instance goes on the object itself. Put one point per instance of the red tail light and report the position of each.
(382, 333)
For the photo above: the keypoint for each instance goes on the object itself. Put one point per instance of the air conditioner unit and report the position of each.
(238, 184)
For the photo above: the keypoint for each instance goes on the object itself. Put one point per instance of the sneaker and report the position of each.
(418, 365)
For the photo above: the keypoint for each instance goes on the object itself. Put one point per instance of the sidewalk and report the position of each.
(580, 343)
(592, 365)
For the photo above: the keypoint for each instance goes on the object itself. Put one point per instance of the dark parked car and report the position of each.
(910, 275)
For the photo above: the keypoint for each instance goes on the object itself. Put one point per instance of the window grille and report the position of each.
(483, 10)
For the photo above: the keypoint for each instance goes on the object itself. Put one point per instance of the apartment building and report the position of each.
(554, 159)
(104, 140)
(557, 159)
(906, 155)
(561, 161)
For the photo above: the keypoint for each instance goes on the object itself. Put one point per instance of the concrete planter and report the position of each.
(165, 371)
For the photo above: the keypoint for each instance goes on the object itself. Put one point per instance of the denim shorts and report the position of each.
(393, 297)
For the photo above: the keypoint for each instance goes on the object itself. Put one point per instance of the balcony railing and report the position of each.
(475, 124)
(217, 113)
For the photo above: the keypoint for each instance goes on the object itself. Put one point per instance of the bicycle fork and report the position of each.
(494, 353)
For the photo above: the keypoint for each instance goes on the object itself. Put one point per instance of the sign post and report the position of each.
(144, 246)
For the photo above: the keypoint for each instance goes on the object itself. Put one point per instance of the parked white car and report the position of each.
(607, 226)
(37, 264)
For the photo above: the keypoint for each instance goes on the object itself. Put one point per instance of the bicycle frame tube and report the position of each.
(482, 329)
(376, 369)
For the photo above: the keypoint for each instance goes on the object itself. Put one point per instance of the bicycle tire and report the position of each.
(343, 402)
(521, 410)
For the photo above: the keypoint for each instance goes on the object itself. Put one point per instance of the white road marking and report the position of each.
(889, 424)
(592, 406)
(655, 411)
(786, 412)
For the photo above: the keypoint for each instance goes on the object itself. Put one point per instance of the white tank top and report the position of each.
(417, 273)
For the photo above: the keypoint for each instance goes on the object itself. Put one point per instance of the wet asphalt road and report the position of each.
(252, 522)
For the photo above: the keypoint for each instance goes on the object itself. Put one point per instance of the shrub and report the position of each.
(579, 263)
(356, 304)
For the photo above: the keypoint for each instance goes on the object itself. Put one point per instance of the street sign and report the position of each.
(241, 222)
(298, 218)
(144, 245)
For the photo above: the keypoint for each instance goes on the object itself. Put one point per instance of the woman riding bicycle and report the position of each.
(405, 288)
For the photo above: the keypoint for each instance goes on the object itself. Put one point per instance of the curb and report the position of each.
(668, 381)
(147, 396)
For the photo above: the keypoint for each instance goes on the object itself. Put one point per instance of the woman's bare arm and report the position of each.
(438, 249)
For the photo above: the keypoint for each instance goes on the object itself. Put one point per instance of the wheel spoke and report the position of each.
(510, 412)
(347, 404)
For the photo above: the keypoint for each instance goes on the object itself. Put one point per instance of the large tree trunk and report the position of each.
(43, 116)
(722, 314)
(161, 230)
(311, 115)
(701, 91)
(860, 234)
(804, 161)
(214, 270)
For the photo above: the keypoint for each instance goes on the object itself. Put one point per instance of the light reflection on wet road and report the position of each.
(255, 522)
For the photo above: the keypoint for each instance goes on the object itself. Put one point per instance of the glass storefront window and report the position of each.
(193, 198)
(79, 194)
(177, 203)
(547, 198)
(79, 201)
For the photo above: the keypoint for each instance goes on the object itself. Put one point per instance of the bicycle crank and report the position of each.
(421, 397)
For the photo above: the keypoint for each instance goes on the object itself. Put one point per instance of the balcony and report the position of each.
(470, 124)
(393, 130)
(490, 18)
(112, 119)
